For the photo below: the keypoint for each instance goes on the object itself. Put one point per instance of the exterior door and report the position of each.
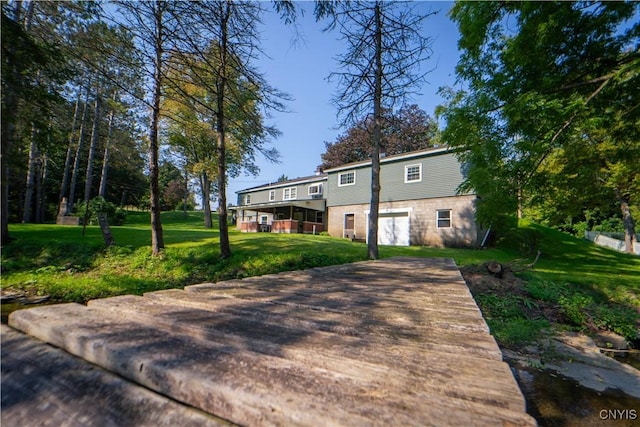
(349, 226)
(393, 229)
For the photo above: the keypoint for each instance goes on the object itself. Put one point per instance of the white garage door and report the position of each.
(393, 229)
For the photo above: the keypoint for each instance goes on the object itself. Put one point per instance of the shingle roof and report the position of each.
(286, 183)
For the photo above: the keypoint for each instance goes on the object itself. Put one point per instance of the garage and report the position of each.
(393, 228)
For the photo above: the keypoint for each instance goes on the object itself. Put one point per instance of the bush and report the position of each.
(525, 240)
(97, 205)
(619, 319)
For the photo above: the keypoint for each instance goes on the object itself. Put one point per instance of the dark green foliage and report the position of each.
(549, 123)
(405, 130)
(619, 319)
(98, 205)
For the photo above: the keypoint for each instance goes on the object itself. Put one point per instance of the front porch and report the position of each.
(305, 217)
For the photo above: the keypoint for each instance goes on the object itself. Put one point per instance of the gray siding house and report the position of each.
(293, 206)
(419, 204)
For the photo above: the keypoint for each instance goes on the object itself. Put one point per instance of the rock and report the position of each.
(35, 299)
(610, 340)
(580, 359)
(576, 356)
(8, 297)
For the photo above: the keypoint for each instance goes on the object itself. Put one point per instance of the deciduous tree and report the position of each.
(545, 78)
(409, 129)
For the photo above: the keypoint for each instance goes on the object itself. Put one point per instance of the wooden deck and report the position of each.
(394, 342)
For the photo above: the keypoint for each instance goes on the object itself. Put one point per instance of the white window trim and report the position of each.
(406, 172)
(346, 173)
(272, 195)
(247, 199)
(318, 186)
(438, 218)
(293, 193)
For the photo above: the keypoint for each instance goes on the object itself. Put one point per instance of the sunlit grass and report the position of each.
(58, 261)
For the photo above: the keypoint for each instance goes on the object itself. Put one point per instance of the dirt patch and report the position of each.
(481, 281)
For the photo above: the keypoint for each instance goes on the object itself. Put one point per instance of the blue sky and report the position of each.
(301, 70)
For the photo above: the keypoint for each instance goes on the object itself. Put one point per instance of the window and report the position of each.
(263, 219)
(443, 218)
(247, 199)
(347, 178)
(315, 189)
(289, 193)
(413, 173)
(272, 195)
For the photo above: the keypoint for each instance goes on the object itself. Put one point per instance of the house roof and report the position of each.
(396, 157)
(287, 183)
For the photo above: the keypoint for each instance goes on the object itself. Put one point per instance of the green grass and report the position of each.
(589, 285)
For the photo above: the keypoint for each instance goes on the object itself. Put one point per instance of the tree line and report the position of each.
(81, 78)
(550, 122)
(547, 126)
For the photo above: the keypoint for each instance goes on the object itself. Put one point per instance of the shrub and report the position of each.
(97, 205)
(619, 319)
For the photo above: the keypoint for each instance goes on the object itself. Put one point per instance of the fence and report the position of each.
(603, 239)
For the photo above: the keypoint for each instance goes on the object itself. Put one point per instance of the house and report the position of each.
(293, 206)
(419, 203)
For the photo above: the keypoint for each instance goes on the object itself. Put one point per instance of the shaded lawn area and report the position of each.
(571, 273)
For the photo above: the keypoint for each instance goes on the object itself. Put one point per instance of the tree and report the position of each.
(187, 30)
(380, 70)
(561, 76)
(191, 105)
(148, 22)
(238, 98)
(407, 130)
(34, 69)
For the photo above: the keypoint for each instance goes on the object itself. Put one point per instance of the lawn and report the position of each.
(572, 274)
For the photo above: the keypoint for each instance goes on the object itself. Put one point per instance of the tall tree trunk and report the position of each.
(7, 130)
(31, 175)
(627, 222)
(106, 230)
(205, 187)
(88, 177)
(105, 159)
(225, 247)
(157, 240)
(41, 193)
(76, 161)
(67, 162)
(186, 191)
(372, 243)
